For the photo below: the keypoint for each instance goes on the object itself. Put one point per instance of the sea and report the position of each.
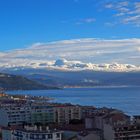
(126, 99)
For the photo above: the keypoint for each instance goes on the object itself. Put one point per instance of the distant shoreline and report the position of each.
(74, 87)
(77, 87)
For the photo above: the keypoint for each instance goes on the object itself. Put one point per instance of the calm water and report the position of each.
(126, 99)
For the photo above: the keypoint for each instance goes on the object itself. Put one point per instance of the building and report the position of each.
(64, 114)
(88, 111)
(95, 122)
(127, 132)
(38, 113)
(14, 114)
(107, 123)
(19, 114)
(120, 127)
(43, 114)
(136, 119)
(31, 133)
(88, 135)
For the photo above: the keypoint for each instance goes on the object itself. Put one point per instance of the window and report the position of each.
(50, 136)
(57, 135)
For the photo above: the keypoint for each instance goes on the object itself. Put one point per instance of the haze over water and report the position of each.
(125, 98)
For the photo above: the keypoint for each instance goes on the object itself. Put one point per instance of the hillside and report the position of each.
(80, 78)
(88, 78)
(14, 82)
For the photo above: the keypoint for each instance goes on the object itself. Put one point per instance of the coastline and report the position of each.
(90, 87)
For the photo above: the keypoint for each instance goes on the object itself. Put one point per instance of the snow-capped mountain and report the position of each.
(79, 54)
(65, 65)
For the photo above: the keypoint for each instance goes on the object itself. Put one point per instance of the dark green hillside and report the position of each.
(14, 82)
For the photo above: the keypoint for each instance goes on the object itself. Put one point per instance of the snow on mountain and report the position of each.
(63, 64)
(90, 54)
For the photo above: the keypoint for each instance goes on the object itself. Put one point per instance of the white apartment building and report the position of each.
(14, 114)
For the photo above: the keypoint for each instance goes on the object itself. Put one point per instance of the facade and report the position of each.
(14, 114)
(17, 114)
(88, 111)
(127, 132)
(42, 114)
(95, 122)
(31, 133)
(64, 114)
(136, 119)
(122, 132)
(111, 126)
(119, 127)
(38, 113)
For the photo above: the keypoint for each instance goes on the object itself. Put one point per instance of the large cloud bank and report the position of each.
(95, 54)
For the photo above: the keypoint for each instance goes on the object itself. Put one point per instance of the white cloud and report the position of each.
(89, 20)
(86, 52)
(2, 54)
(86, 20)
(128, 11)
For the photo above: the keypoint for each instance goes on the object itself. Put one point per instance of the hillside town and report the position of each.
(31, 118)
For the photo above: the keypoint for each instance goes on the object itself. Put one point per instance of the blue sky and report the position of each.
(24, 22)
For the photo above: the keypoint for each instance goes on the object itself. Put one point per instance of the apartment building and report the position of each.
(64, 114)
(38, 113)
(14, 114)
(43, 114)
(19, 114)
(107, 123)
(136, 119)
(127, 132)
(119, 127)
(31, 133)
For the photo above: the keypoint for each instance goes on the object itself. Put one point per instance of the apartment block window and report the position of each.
(57, 135)
(50, 136)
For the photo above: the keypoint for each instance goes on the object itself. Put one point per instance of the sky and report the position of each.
(25, 22)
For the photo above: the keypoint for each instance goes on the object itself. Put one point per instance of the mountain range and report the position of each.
(77, 62)
(65, 65)
(82, 78)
